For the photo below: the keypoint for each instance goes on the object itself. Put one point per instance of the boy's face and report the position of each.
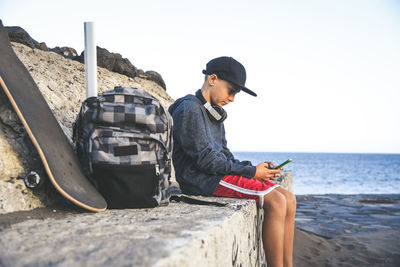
(222, 92)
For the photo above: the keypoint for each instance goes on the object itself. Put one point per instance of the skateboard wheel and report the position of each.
(32, 180)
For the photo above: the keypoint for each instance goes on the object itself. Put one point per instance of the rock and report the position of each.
(18, 156)
(112, 61)
(140, 73)
(64, 51)
(105, 59)
(62, 83)
(19, 35)
(333, 215)
(152, 76)
(41, 46)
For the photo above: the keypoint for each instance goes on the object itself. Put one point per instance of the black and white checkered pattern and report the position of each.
(126, 127)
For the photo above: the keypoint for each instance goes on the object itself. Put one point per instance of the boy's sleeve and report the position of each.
(191, 133)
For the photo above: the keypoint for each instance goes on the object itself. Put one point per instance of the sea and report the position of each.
(336, 173)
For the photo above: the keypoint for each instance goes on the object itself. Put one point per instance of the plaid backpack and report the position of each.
(123, 139)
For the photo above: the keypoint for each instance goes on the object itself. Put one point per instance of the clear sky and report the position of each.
(327, 73)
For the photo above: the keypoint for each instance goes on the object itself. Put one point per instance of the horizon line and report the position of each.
(317, 152)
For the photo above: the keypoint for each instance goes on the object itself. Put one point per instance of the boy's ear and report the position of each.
(212, 78)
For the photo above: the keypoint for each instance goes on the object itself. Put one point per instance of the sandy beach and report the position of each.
(331, 230)
(347, 230)
(380, 248)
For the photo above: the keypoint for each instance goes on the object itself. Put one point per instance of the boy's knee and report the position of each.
(275, 201)
(291, 202)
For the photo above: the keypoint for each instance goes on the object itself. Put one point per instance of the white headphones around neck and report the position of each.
(215, 113)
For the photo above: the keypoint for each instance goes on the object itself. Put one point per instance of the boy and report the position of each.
(205, 166)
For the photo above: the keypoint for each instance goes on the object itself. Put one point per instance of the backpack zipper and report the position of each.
(157, 169)
(134, 132)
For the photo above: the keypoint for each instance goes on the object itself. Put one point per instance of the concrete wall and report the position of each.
(179, 234)
(234, 241)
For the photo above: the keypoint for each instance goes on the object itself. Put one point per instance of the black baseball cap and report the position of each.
(228, 69)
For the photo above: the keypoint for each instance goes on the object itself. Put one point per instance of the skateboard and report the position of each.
(59, 160)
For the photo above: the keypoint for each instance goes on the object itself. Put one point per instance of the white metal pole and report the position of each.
(90, 59)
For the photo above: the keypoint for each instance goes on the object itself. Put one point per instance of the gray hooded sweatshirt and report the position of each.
(200, 155)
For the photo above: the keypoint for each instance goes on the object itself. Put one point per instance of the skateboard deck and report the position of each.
(56, 153)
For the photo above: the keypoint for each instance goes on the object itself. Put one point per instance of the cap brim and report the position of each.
(244, 89)
(247, 90)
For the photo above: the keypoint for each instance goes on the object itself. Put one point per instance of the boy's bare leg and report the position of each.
(274, 227)
(289, 227)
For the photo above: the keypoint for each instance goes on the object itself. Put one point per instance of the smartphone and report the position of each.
(283, 164)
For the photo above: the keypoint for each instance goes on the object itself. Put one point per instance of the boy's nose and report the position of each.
(231, 98)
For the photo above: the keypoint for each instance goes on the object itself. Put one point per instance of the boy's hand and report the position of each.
(263, 173)
(270, 165)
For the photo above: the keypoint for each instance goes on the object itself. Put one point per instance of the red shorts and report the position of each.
(240, 187)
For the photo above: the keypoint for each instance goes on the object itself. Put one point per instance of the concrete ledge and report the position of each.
(179, 234)
(176, 235)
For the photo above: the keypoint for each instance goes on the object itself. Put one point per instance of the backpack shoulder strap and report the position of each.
(194, 201)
